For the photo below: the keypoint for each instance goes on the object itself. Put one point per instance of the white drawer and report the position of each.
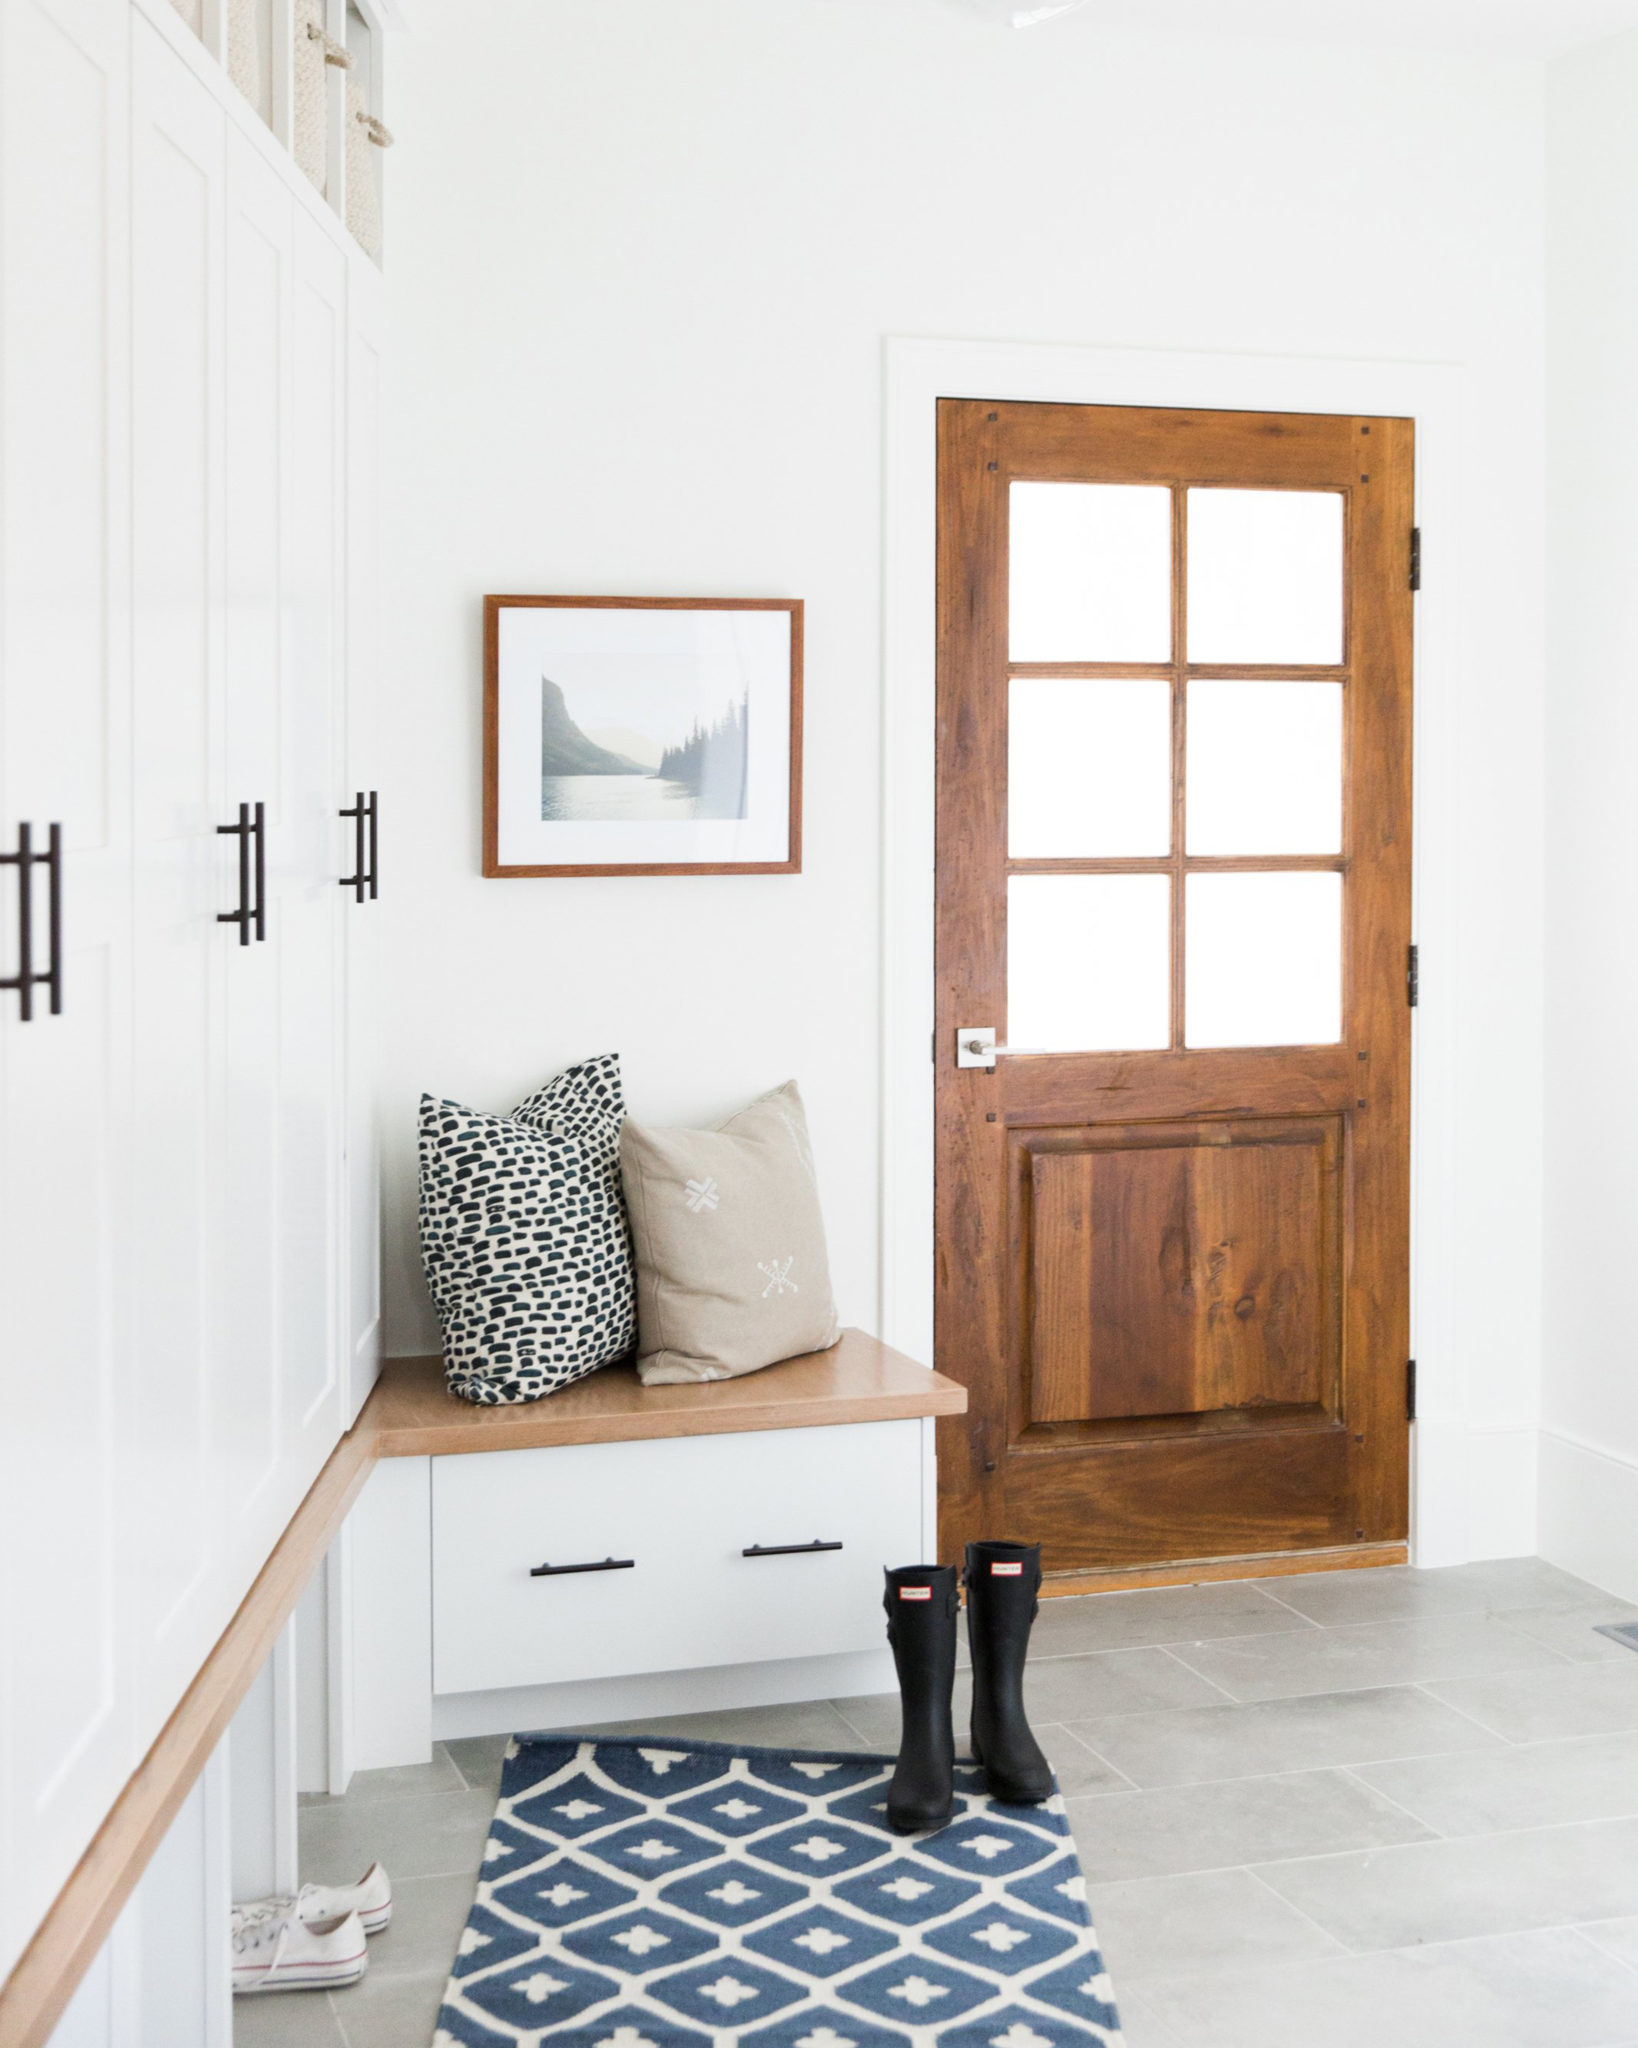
(683, 1510)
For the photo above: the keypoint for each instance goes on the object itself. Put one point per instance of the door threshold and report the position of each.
(1268, 1564)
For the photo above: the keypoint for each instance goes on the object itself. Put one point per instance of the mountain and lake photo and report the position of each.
(683, 767)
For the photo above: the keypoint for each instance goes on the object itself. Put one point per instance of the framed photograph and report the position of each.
(642, 736)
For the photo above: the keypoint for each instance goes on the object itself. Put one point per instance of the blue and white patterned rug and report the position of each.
(644, 1894)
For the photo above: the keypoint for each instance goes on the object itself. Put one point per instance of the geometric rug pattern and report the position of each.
(651, 1894)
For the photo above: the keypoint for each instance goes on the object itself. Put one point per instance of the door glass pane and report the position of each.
(1263, 960)
(1089, 767)
(1089, 962)
(1091, 572)
(1265, 576)
(1265, 767)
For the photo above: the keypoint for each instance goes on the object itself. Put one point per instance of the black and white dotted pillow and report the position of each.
(523, 1232)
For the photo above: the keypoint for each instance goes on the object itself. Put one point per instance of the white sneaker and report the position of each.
(370, 1899)
(283, 1952)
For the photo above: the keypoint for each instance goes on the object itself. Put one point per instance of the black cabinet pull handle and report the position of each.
(251, 832)
(363, 881)
(787, 1549)
(559, 1571)
(28, 978)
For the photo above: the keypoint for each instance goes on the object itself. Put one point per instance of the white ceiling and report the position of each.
(1519, 28)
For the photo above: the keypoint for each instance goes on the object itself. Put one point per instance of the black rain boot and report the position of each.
(1003, 1582)
(922, 1601)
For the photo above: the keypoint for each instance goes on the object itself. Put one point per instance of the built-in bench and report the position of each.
(843, 1441)
(619, 1550)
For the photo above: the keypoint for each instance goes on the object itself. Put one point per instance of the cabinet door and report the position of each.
(361, 1275)
(257, 378)
(177, 144)
(65, 1729)
(305, 839)
(278, 1398)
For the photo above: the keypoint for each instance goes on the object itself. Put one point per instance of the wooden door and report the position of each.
(1174, 874)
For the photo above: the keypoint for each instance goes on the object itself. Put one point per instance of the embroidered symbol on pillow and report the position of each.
(778, 1273)
(702, 1194)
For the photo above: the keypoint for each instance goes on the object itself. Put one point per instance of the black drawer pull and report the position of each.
(557, 1571)
(787, 1549)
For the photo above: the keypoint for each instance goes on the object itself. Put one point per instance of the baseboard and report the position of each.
(1589, 1513)
(591, 1701)
(1504, 1492)
(1475, 1491)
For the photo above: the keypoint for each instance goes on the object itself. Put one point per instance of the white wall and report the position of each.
(643, 260)
(1590, 1376)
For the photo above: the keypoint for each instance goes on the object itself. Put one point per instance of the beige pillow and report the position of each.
(729, 1244)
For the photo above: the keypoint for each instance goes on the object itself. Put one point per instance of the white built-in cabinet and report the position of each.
(190, 373)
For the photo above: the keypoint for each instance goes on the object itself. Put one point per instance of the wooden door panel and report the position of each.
(1180, 1272)
(1316, 1080)
(1233, 1494)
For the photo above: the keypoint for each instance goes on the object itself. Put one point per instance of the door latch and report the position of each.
(976, 1046)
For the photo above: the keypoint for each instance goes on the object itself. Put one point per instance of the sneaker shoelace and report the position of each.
(257, 1932)
(285, 1906)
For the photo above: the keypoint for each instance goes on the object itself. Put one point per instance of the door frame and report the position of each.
(917, 373)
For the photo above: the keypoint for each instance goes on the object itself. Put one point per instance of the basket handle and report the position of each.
(378, 131)
(334, 52)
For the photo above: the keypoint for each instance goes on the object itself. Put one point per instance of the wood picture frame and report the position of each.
(658, 692)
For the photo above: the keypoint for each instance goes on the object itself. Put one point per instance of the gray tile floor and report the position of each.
(1346, 1809)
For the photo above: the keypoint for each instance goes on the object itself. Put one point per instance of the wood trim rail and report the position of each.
(410, 1415)
(67, 1940)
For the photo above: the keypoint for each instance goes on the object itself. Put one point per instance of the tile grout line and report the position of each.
(1081, 1742)
(340, 2023)
(1176, 1655)
(852, 1727)
(1309, 1771)
(1423, 1685)
(1441, 1841)
(870, 1749)
(1262, 1588)
(1349, 1771)
(1580, 1927)
(1398, 1685)
(1379, 1685)
(1341, 1947)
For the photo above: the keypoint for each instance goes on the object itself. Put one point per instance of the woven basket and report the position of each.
(365, 135)
(193, 13)
(245, 55)
(315, 52)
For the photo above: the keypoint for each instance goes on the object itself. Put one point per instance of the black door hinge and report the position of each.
(1410, 1389)
(1416, 558)
(1413, 975)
